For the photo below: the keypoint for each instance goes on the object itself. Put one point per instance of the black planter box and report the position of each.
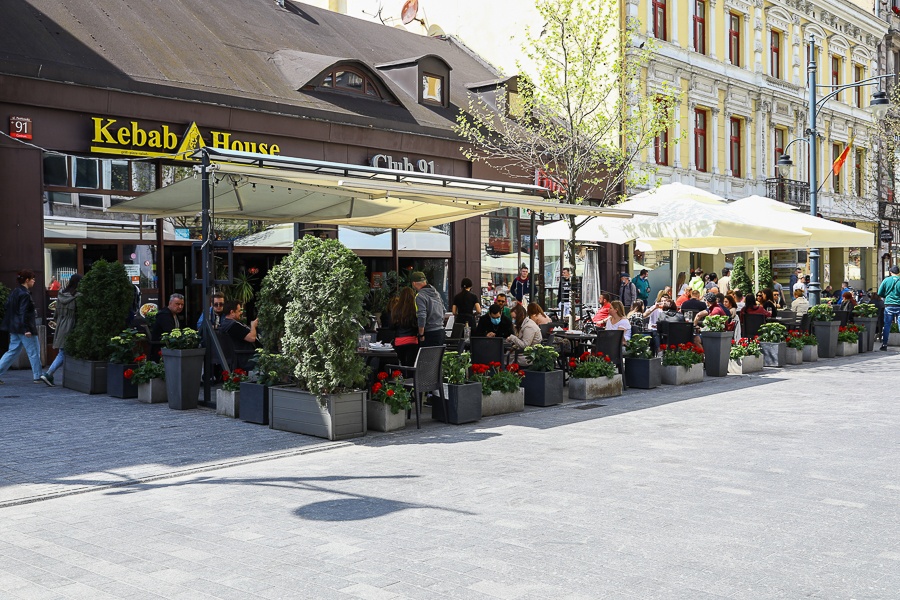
(463, 404)
(543, 388)
(85, 376)
(116, 384)
(255, 403)
(643, 373)
(716, 351)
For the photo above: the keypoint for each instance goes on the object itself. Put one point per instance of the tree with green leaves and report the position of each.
(583, 117)
(104, 301)
(765, 273)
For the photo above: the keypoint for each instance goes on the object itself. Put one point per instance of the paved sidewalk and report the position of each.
(781, 485)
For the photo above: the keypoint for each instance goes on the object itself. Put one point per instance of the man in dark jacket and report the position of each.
(19, 321)
(521, 285)
(167, 319)
(494, 324)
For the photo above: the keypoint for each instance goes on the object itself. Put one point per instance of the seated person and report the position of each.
(527, 333)
(694, 305)
(504, 308)
(752, 308)
(800, 305)
(603, 312)
(617, 320)
(712, 309)
(766, 299)
(536, 314)
(243, 338)
(848, 302)
(494, 324)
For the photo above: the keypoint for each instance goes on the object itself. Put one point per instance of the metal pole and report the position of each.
(814, 286)
(533, 295)
(206, 256)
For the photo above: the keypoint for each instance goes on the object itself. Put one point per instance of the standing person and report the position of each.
(877, 300)
(801, 285)
(681, 283)
(627, 291)
(565, 293)
(65, 321)
(796, 276)
(642, 285)
(465, 304)
(697, 282)
(889, 290)
(712, 282)
(405, 321)
(19, 321)
(54, 284)
(429, 311)
(725, 281)
(215, 313)
(521, 286)
(845, 287)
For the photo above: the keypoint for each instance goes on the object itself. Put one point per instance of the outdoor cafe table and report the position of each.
(377, 359)
(578, 342)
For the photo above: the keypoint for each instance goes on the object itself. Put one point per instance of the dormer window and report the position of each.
(433, 88)
(350, 80)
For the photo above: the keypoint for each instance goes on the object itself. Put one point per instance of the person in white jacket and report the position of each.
(527, 332)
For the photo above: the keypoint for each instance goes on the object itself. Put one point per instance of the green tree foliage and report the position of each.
(105, 297)
(739, 279)
(4, 296)
(319, 291)
(582, 118)
(274, 296)
(765, 272)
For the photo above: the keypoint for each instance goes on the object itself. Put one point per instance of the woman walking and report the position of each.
(65, 321)
(19, 322)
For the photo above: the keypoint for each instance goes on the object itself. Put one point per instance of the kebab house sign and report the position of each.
(125, 137)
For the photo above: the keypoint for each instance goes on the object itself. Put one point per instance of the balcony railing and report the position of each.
(789, 191)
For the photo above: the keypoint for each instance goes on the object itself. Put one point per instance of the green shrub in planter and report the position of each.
(714, 323)
(772, 332)
(106, 294)
(860, 310)
(821, 312)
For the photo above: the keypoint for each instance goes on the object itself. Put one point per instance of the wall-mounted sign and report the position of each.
(886, 236)
(20, 128)
(890, 211)
(133, 138)
(385, 161)
(543, 180)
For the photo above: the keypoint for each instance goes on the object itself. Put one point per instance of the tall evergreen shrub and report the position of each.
(739, 279)
(106, 294)
(765, 273)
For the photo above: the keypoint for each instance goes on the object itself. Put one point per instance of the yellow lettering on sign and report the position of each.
(101, 131)
(191, 141)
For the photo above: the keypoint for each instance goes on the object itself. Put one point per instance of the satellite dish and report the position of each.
(410, 9)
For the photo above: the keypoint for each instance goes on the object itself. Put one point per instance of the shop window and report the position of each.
(143, 176)
(56, 170)
(87, 173)
(172, 174)
(140, 263)
(115, 175)
(61, 261)
(500, 243)
(60, 197)
(433, 88)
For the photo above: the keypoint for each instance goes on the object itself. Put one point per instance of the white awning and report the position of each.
(283, 189)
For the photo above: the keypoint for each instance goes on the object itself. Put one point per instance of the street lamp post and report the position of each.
(879, 106)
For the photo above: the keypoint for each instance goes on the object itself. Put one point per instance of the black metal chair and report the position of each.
(234, 358)
(610, 343)
(751, 324)
(843, 316)
(427, 376)
(385, 335)
(486, 350)
(456, 341)
(675, 332)
(804, 323)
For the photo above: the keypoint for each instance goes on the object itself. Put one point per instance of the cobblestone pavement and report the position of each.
(780, 485)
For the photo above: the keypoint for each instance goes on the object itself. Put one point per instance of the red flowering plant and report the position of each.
(388, 389)
(848, 334)
(794, 339)
(683, 355)
(590, 365)
(231, 380)
(494, 377)
(745, 347)
(145, 371)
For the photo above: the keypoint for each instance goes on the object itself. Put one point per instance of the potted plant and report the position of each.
(848, 341)
(123, 357)
(150, 379)
(745, 357)
(322, 307)
(642, 369)
(271, 369)
(772, 342)
(463, 393)
(388, 402)
(825, 329)
(810, 347)
(183, 359)
(501, 388)
(866, 316)
(228, 397)
(794, 353)
(105, 297)
(593, 376)
(682, 363)
(716, 345)
(543, 382)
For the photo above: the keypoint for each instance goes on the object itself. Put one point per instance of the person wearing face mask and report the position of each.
(494, 324)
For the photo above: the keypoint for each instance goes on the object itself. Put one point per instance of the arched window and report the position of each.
(348, 79)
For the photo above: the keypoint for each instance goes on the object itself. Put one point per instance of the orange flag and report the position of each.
(840, 160)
